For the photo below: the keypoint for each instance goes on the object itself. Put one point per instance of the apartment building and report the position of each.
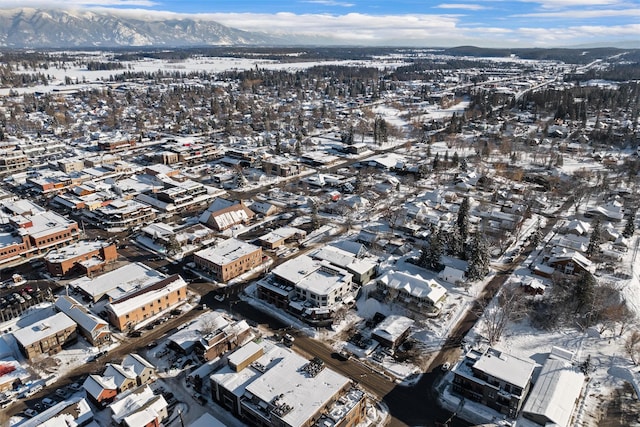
(495, 379)
(47, 336)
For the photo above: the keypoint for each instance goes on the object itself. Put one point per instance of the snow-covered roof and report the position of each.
(285, 381)
(555, 393)
(313, 276)
(393, 327)
(95, 384)
(505, 367)
(227, 251)
(282, 233)
(78, 313)
(10, 371)
(122, 280)
(74, 250)
(187, 337)
(137, 405)
(68, 413)
(139, 297)
(43, 329)
(136, 363)
(414, 285)
(120, 374)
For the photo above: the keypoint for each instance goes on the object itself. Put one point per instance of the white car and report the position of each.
(30, 412)
(446, 366)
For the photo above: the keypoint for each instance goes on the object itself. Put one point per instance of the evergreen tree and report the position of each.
(455, 159)
(584, 291)
(463, 164)
(436, 162)
(630, 226)
(595, 240)
(173, 246)
(431, 256)
(536, 236)
(463, 219)
(478, 266)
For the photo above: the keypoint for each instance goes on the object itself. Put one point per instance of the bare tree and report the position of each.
(496, 317)
(632, 346)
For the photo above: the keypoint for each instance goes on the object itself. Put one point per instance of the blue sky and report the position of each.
(527, 23)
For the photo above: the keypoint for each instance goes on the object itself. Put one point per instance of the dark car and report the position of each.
(135, 334)
(152, 344)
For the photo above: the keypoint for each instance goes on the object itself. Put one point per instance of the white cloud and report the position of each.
(406, 30)
(462, 6)
(330, 3)
(561, 4)
(582, 14)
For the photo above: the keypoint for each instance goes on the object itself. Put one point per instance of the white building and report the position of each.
(269, 385)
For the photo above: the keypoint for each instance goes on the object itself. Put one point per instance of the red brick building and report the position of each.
(86, 256)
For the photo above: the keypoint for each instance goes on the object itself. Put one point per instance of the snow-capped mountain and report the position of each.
(33, 28)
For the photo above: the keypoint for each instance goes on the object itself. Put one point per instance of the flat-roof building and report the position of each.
(229, 259)
(269, 385)
(495, 379)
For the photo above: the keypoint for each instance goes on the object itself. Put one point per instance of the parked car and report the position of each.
(62, 393)
(135, 334)
(446, 366)
(30, 412)
(152, 344)
(200, 398)
(75, 386)
(48, 402)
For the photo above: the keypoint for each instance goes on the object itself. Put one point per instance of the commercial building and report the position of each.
(117, 282)
(269, 385)
(312, 290)
(140, 303)
(229, 259)
(31, 230)
(556, 392)
(47, 336)
(88, 257)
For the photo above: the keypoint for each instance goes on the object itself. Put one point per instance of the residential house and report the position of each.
(411, 291)
(100, 390)
(392, 331)
(280, 236)
(144, 371)
(139, 407)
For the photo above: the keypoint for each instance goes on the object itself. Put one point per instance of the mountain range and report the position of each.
(37, 28)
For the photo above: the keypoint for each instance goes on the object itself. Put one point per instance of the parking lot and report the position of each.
(14, 301)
